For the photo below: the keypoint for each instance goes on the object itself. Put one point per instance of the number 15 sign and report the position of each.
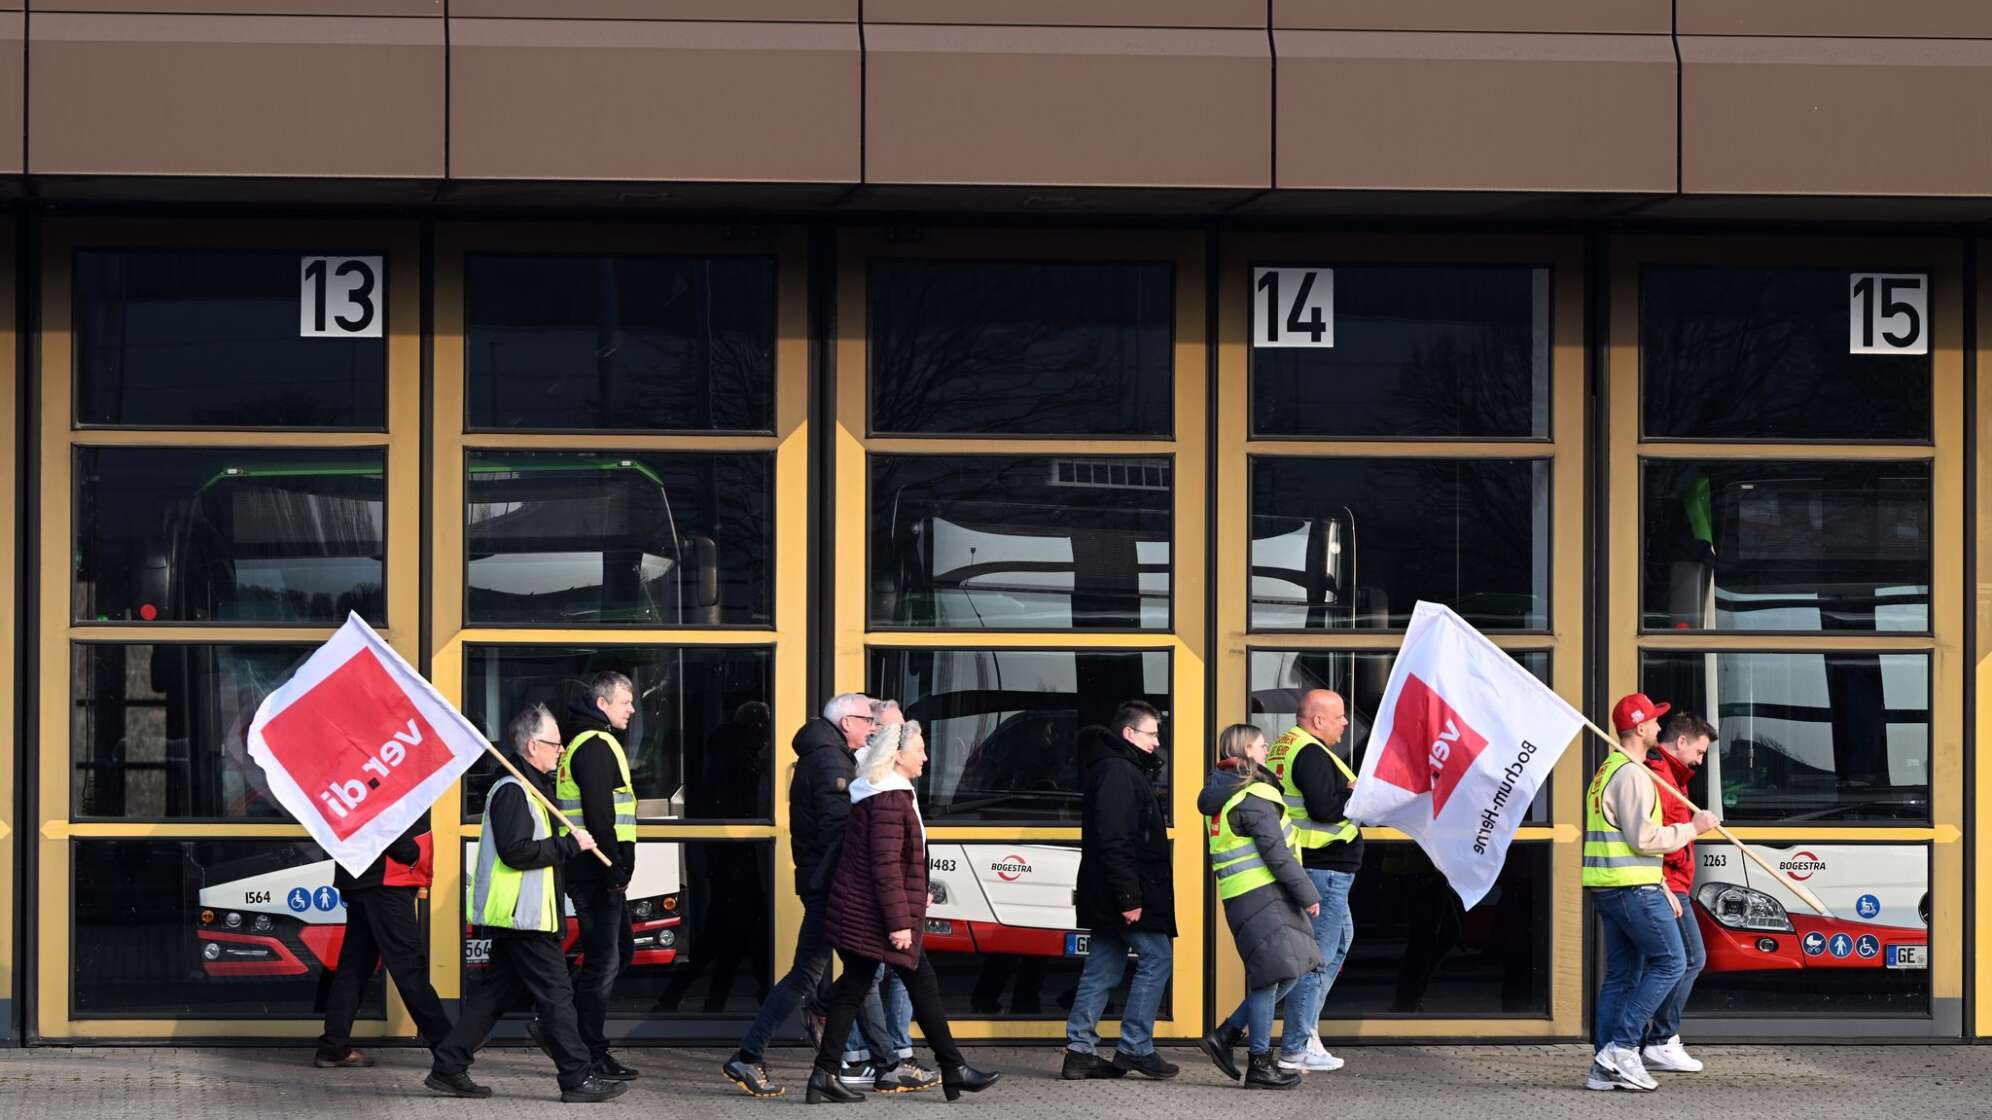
(1293, 307)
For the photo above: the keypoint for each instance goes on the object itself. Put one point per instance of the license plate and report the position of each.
(1076, 944)
(1908, 956)
(477, 950)
(940, 926)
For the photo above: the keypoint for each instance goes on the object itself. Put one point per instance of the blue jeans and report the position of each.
(812, 959)
(1643, 960)
(1333, 931)
(889, 1004)
(1106, 963)
(1667, 1020)
(1255, 1015)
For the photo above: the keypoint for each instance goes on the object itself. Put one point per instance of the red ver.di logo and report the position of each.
(355, 744)
(1431, 748)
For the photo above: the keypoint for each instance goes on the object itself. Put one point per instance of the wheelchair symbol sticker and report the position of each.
(1868, 946)
(299, 899)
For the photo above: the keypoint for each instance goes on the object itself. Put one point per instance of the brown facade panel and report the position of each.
(1836, 116)
(1505, 112)
(1898, 19)
(1609, 17)
(654, 100)
(13, 110)
(735, 11)
(235, 95)
(1072, 13)
(1076, 106)
(432, 9)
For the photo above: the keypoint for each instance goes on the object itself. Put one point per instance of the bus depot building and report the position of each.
(1010, 359)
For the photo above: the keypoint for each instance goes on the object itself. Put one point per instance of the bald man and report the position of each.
(1316, 782)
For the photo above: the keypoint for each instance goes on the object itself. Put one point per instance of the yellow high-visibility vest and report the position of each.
(1235, 859)
(1608, 860)
(1280, 757)
(498, 894)
(567, 795)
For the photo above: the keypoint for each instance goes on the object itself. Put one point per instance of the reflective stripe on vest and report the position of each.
(498, 894)
(1280, 758)
(1608, 860)
(1235, 859)
(567, 794)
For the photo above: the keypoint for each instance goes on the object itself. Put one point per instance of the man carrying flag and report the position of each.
(1316, 782)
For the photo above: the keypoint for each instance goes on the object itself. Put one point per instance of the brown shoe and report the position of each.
(352, 1059)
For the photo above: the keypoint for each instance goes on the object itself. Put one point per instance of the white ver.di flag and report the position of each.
(357, 746)
(1462, 740)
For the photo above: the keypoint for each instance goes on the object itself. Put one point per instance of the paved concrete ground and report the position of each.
(1452, 1082)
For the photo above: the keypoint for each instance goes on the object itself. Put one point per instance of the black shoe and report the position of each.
(455, 1085)
(751, 1075)
(351, 1059)
(1150, 1064)
(825, 1088)
(609, 1069)
(965, 1079)
(536, 1031)
(1218, 1045)
(1088, 1067)
(1265, 1073)
(592, 1090)
(905, 1076)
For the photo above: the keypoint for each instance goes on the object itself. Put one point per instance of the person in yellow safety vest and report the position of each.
(1268, 900)
(1624, 846)
(593, 786)
(512, 897)
(1316, 783)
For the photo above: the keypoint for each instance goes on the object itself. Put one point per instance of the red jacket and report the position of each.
(1679, 865)
(881, 880)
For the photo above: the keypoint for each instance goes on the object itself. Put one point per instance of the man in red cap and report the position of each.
(1625, 843)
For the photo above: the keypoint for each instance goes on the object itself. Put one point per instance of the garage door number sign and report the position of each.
(1293, 307)
(1888, 313)
(339, 297)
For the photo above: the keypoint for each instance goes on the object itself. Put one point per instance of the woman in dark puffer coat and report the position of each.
(877, 911)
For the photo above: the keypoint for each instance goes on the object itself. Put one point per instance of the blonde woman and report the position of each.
(1268, 900)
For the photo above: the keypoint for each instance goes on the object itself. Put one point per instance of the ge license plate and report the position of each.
(1908, 956)
(940, 926)
(1076, 944)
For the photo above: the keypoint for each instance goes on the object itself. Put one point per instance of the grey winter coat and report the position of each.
(1270, 925)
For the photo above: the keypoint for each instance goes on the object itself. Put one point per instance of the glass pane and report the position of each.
(229, 535)
(157, 731)
(1021, 348)
(620, 343)
(1761, 353)
(1418, 952)
(1420, 352)
(1000, 724)
(1873, 958)
(1002, 935)
(1281, 677)
(1806, 736)
(197, 338)
(206, 929)
(700, 747)
(1012, 542)
(701, 914)
(1343, 544)
(583, 539)
(1786, 546)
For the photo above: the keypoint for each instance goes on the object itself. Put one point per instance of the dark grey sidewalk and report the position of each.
(1464, 1082)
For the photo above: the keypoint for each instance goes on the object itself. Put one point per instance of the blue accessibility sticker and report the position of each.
(326, 899)
(1814, 943)
(1840, 945)
(1869, 946)
(299, 899)
(1868, 906)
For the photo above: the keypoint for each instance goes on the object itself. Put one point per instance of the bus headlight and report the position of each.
(1742, 908)
(642, 908)
(211, 951)
(937, 893)
(263, 924)
(667, 938)
(232, 920)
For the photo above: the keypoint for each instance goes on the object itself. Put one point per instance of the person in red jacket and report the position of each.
(1684, 742)
(877, 912)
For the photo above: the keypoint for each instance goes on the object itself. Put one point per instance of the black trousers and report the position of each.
(922, 987)
(606, 947)
(382, 924)
(530, 963)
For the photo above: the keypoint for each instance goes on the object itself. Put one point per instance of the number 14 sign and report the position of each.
(1293, 307)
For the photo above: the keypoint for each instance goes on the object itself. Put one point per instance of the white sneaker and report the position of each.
(1602, 1077)
(1318, 1057)
(1670, 1057)
(1624, 1061)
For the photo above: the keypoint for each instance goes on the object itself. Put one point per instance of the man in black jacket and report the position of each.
(594, 786)
(1321, 778)
(1126, 895)
(383, 923)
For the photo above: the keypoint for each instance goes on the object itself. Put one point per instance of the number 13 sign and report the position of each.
(1293, 307)
(339, 297)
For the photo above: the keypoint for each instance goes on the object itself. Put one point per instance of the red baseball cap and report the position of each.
(1635, 709)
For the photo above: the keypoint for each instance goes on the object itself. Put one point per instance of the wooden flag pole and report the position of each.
(533, 791)
(1796, 887)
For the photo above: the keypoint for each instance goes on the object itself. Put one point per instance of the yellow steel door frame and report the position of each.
(1185, 642)
(1945, 453)
(1981, 655)
(1564, 449)
(60, 437)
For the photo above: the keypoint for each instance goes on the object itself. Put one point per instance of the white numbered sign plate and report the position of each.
(1293, 307)
(1888, 313)
(340, 297)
